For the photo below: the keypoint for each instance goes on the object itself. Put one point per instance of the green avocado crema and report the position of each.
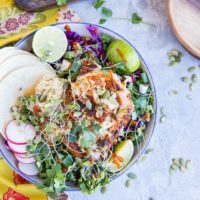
(124, 56)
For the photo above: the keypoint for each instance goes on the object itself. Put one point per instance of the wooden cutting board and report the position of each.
(184, 18)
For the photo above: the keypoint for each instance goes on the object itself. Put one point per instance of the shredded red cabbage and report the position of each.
(96, 39)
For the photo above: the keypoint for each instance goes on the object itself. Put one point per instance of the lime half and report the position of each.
(123, 153)
(49, 43)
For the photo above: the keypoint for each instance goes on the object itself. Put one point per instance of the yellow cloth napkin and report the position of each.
(15, 23)
(14, 187)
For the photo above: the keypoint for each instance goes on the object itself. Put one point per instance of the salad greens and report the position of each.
(74, 143)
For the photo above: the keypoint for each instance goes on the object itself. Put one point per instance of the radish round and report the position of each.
(28, 169)
(25, 160)
(6, 145)
(19, 149)
(19, 133)
(24, 155)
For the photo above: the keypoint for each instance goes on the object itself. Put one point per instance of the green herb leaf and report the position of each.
(107, 12)
(87, 138)
(98, 4)
(105, 38)
(68, 161)
(136, 19)
(102, 21)
(61, 2)
(74, 69)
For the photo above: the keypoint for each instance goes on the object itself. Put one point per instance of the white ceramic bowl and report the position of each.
(79, 27)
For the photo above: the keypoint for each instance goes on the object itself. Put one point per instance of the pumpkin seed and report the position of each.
(191, 69)
(188, 164)
(189, 97)
(181, 161)
(162, 110)
(88, 105)
(175, 161)
(171, 170)
(194, 78)
(42, 98)
(182, 168)
(132, 175)
(191, 87)
(163, 119)
(148, 151)
(173, 92)
(185, 79)
(143, 159)
(174, 166)
(128, 183)
(77, 114)
(103, 189)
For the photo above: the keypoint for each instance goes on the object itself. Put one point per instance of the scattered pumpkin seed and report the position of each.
(181, 161)
(185, 79)
(128, 183)
(191, 69)
(173, 92)
(174, 166)
(162, 110)
(143, 159)
(194, 78)
(42, 98)
(175, 161)
(163, 119)
(88, 105)
(171, 170)
(77, 114)
(188, 164)
(174, 56)
(182, 168)
(103, 189)
(191, 87)
(148, 151)
(132, 175)
(189, 97)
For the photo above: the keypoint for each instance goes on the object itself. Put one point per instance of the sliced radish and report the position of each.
(6, 145)
(24, 155)
(28, 169)
(19, 133)
(19, 149)
(25, 160)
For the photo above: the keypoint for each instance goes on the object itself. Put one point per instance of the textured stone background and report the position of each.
(180, 135)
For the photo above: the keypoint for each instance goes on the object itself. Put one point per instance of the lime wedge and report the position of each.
(124, 151)
(118, 52)
(49, 43)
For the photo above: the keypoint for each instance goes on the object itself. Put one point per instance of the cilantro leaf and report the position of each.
(107, 12)
(136, 19)
(75, 67)
(105, 38)
(61, 2)
(74, 133)
(87, 139)
(98, 4)
(102, 21)
(68, 161)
